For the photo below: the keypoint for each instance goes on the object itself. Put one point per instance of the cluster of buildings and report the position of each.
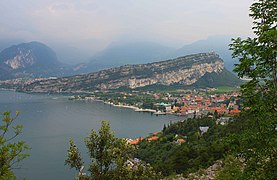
(186, 104)
(202, 105)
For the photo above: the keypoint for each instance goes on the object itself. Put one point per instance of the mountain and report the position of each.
(213, 79)
(15, 61)
(70, 54)
(31, 59)
(4, 74)
(118, 54)
(186, 70)
(218, 44)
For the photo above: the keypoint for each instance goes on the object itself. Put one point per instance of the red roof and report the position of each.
(235, 111)
(153, 138)
(181, 140)
(134, 142)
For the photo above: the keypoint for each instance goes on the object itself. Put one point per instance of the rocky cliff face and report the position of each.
(183, 70)
(31, 59)
(166, 76)
(22, 59)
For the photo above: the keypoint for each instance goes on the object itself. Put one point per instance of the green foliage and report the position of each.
(224, 78)
(11, 152)
(249, 143)
(74, 159)
(199, 151)
(232, 169)
(144, 101)
(258, 61)
(162, 88)
(111, 158)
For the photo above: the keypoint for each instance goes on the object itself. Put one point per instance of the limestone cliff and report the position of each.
(31, 59)
(184, 70)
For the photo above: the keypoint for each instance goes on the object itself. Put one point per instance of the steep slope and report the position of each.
(29, 59)
(185, 70)
(218, 44)
(214, 79)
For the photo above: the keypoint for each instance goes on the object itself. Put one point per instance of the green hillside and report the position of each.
(199, 151)
(224, 78)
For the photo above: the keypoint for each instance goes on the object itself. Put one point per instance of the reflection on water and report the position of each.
(49, 122)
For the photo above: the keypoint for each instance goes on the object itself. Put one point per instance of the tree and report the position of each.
(11, 152)
(216, 115)
(258, 61)
(111, 158)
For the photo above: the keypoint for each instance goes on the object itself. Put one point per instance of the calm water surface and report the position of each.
(49, 122)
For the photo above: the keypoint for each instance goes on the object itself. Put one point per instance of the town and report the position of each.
(188, 102)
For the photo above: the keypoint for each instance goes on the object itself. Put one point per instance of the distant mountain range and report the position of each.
(35, 59)
(188, 70)
(118, 54)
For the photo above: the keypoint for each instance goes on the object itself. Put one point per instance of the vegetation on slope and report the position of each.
(111, 158)
(224, 78)
(199, 151)
(249, 142)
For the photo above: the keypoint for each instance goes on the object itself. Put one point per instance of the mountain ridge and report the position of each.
(118, 54)
(185, 70)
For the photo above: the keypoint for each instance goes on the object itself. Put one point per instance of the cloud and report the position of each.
(176, 21)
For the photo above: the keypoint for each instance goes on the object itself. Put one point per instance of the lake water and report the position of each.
(49, 122)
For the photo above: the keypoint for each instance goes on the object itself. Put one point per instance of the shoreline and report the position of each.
(136, 109)
(7, 89)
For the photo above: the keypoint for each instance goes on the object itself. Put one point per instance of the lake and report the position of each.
(50, 121)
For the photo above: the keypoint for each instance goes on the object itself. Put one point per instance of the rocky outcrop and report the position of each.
(186, 76)
(184, 70)
(31, 59)
(21, 60)
(202, 174)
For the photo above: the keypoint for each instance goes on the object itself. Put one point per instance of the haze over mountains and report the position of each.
(116, 54)
(144, 52)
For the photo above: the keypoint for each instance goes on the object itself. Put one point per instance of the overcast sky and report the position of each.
(100, 22)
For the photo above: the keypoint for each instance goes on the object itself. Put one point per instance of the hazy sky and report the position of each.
(99, 22)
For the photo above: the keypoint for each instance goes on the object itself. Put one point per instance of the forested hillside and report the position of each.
(182, 147)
